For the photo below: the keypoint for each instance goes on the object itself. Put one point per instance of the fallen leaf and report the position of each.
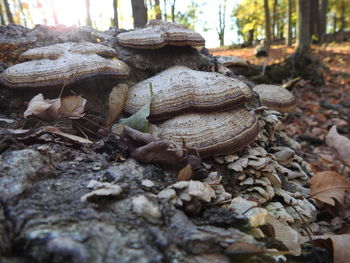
(55, 130)
(327, 186)
(339, 246)
(72, 107)
(139, 120)
(50, 110)
(37, 105)
(340, 144)
(185, 173)
(116, 100)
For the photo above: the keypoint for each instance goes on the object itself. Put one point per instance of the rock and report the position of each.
(18, 171)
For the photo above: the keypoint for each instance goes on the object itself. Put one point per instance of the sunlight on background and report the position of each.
(73, 13)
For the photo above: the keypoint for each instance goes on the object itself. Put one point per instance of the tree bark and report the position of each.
(8, 12)
(267, 24)
(303, 26)
(274, 21)
(165, 13)
(250, 37)
(139, 13)
(2, 20)
(88, 16)
(342, 20)
(54, 13)
(289, 25)
(172, 4)
(323, 20)
(115, 17)
(22, 12)
(314, 19)
(157, 10)
(222, 22)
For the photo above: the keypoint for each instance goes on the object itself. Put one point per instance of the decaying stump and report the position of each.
(66, 200)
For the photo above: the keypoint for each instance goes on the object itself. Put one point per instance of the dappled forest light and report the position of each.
(230, 22)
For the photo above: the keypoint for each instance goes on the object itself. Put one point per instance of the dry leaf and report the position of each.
(57, 131)
(340, 245)
(185, 173)
(327, 186)
(72, 107)
(116, 101)
(37, 105)
(340, 144)
(50, 110)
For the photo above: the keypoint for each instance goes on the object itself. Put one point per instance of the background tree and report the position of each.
(165, 12)
(88, 16)
(267, 23)
(289, 24)
(323, 20)
(115, 14)
(2, 19)
(189, 17)
(8, 12)
(172, 6)
(139, 13)
(303, 27)
(157, 10)
(249, 20)
(222, 23)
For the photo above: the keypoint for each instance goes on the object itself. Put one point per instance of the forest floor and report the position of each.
(318, 107)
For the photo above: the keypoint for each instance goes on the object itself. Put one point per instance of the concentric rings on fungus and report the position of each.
(276, 98)
(179, 89)
(158, 34)
(63, 64)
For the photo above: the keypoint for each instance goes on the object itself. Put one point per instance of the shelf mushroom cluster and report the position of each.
(199, 109)
(63, 64)
(202, 110)
(158, 34)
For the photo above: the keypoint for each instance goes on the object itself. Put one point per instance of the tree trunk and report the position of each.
(342, 20)
(250, 37)
(173, 10)
(303, 26)
(157, 10)
(88, 16)
(222, 22)
(267, 23)
(314, 19)
(2, 20)
(289, 25)
(335, 20)
(139, 13)
(115, 17)
(22, 12)
(8, 12)
(165, 13)
(323, 20)
(274, 21)
(54, 13)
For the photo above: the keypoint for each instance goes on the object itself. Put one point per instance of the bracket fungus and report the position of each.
(201, 110)
(63, 64)
(211, 134)
(179, 89)
(231, 61)
(276, 98)
(158, 34)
